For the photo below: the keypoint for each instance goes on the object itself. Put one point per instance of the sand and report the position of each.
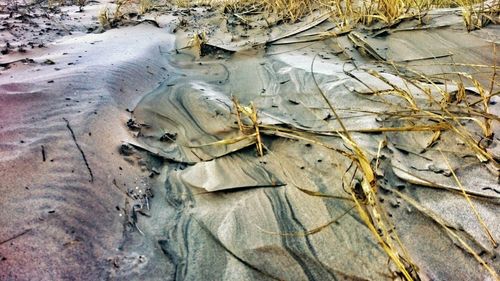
(106, 173)
(66, 222)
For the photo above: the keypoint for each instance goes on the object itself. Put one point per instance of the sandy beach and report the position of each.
(200, 144)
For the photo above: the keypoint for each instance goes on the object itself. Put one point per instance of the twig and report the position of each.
(15, 236)
(492, 189)
(80, 149)
(43, 154)
(116, 185)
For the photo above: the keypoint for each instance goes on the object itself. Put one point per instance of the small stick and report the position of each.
(80, 149)
(15, 236)
(43, 154)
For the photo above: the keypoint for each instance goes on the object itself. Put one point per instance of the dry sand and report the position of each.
(58, 220)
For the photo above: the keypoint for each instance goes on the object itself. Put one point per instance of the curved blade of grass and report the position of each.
(308, 232)
(450, 232)
(225, 141)
(387, 248)
(424, 182)
(476, 213)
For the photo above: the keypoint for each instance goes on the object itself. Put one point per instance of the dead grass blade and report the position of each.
(309, 232)
(424, 182)
(476, 213)
(381, 145)
(397, 90)
(253, 130)
(362, 45)
(225, 141)
(416, 128)
(455, 125)
(303, 28)
(448, 230)
(371, 212)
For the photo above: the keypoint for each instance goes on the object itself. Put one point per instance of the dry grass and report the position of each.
(349, 13)
(449, 118)
(111, 17)
(291, 10)
(437, 115)
(440, 113)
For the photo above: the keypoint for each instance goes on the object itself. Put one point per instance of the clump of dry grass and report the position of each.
(478, 14)
(475, 13)
(347, 13)
(111, 17)
(289, 10)
(350, 12)
(451, 114)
